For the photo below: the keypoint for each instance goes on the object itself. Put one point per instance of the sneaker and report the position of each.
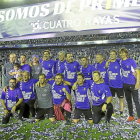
(54, 122)
(138, 121)
(130, 119)
(113, 114)
(121, 115)
(21, 119)
(68, 122)
(107, 124)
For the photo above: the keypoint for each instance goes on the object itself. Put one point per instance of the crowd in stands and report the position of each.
(78, 52)
(92, 37)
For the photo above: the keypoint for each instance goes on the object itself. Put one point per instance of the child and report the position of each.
(16, 72)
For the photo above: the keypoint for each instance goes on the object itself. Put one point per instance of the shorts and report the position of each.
(119, 91)
(87, 113)
(42, 111)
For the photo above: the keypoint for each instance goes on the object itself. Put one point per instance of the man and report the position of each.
(48, 65)
(8, 67)
(101, 66)
(36, 67)
(82, 104)
(61, 61)
(44, 99)
(130, 83)
(85, 68)
(27, 88)
(101, 97)
(24, 65)
(61, 98)
(115, 80)
(70, 69)
(12, 101)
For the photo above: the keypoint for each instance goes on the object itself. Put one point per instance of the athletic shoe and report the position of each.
(121, 115)
(113, 114)
(138, 121)
(130, 119)
(68, 122)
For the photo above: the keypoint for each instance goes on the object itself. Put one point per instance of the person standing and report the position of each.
(115, 79)
(130, 83)
(8, 67)
(36, 67)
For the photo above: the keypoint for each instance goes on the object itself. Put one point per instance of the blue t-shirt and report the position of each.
(11, 97)
(58, 65)
(128, 67)
(86, 71)
(26, 67)
(114, 72)
(57, 92)
(99, 92)
(70, 71)
(27, 89)
(103, 70)
(81, 96)
(48, 68)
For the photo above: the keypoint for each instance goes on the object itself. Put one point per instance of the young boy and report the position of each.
(16, 72)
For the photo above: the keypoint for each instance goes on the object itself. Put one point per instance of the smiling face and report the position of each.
(12, 83)
(96, 77)
(35, 59)
(80, 80)
(22, 59)
(25, 76)
(46, 56)
(42, 79)
(61, 57)
(12, 58)
(84, 62)
(58, 79)
(69, 58)
(123, 54)
(99, 58)
(113, 55)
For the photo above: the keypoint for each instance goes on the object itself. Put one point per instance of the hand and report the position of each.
(104, 107)
(64, 90)
(5, 112)
(5, 89)
(136, 86)
(37, 84)
(13, 109)
(14, 73)
(74, 86)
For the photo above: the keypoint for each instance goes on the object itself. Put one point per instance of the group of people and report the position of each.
(45, 86)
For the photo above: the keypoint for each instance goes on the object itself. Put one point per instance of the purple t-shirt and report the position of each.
(11, 97)
(103, 70)
(86, 71)
(114, 72)
(58, 65)
(27, 89)
(26, 67)
(99, 92)
(48, 68)
(128, 67)
(81, 96)
(70, 71)
(57, 92)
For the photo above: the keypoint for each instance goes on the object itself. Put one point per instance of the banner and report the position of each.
(62, 16)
